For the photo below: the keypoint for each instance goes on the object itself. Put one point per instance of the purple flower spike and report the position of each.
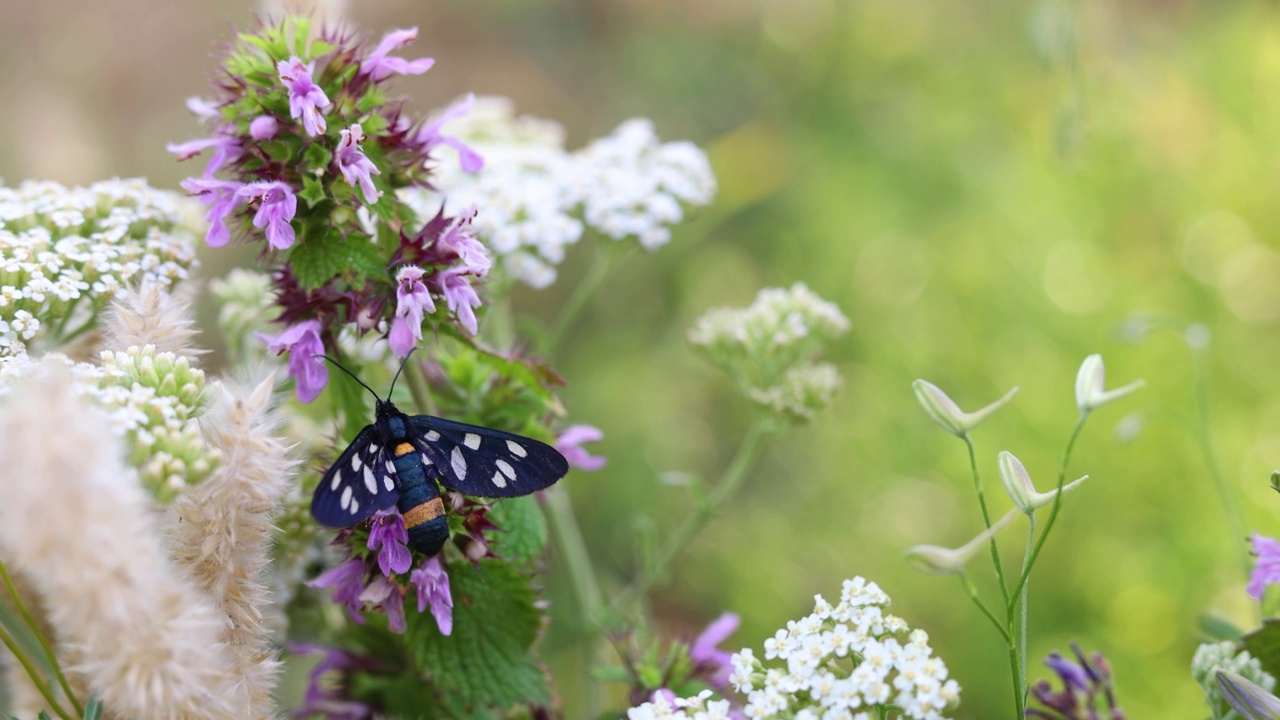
(1073, 676)
(355, 165)
(303, 343)
(277, 208)
(1266, 568)
(459, 240)
(432, 584)
(221, 196)
(263, 127)
(569, 443)
(329, 698)
(412, 302)
(389, 539)
(379, 66)
(460, 297)
(306, 99)
(429, 136)
(708, 657)
(347, 581)
(225, 149)
(387, 596)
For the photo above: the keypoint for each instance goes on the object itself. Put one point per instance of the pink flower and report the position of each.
(388, 537)
(225, 149)
(432, 584)
(1266, 568)
(221, 196)
(306, 99)
(569, 443)
(460, 296)
(707, 655)
(201, 107)
(378, 65)
(412, 302)
(347, 581)
(303, 343)
(458, 241)
(355, 165)
(387, 596)
(277, 208)
(429, 136)
(263, 127)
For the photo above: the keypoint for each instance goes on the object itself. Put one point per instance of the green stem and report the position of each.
(572, 549)
(1030, 561)
(733, 476)
(418, 388)
(1020, 676)
(44, 644)
(606, 254)
(986, 517)
(1230, 506)
(36, 680)
(973, 595)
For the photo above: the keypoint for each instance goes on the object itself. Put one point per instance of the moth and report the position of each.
(402, 460)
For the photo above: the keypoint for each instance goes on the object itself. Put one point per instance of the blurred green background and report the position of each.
(988, 190)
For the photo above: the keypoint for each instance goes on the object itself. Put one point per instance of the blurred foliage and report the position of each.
(987, 189)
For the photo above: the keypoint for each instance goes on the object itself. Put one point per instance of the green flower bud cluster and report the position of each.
(65, 253)
(770, 348)
(246, 306)
(155, 398)
(1210, 658)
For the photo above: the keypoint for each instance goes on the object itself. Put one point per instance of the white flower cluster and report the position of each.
(768, 348)
(151, 398)
(841, 662)
(1228, 657)
(534, 196)
(59, 246)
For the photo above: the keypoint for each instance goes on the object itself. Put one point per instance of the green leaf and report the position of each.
(316, 157)
(522, 534)
(92, 709)
(316, 259)
(320, 47)
(487, 662)
(372, 99)
(312, 190)
(1264, 644)
(612, 673)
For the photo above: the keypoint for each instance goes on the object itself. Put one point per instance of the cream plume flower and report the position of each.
(224, 531)
(78, 525)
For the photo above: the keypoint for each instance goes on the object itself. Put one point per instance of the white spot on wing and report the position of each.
(388, 483)
(432, 435)
(516, 448)
(355, 462)
(458, 463)
(425, 460)
(346, 498)
(355, 506)
(499, 480)
(391, 468)
(373, 448)
(471, 440)
(337, 479)
(506, 469)
(370, 482)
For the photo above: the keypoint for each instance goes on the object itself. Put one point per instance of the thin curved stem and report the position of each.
(601, 265)
(986, 517)
(732, 477)
(44, 643)
(36, 680)
(973, 595)
(1030, 560)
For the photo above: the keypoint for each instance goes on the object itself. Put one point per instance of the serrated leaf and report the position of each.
(1264, 644)
(316, 157)
(320, 47)
(372, 99)
(522, 534)
(365, 259)
(312, 190)
(316, 260)
(488, 661)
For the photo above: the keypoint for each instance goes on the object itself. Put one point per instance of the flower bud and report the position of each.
(1090, 392)
(936, 560)
(942, 409)
(1251, 700)
(1021, 490)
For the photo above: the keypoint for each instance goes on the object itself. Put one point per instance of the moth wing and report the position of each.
(361, 482)
(485, 462)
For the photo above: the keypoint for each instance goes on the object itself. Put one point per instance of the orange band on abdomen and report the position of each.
(427, 511)
(403, 449)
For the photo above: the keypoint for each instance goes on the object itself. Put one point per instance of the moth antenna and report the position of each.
(353, 375)
(397, 377)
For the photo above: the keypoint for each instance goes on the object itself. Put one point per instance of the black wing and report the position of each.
(486, 462)
(360, 483)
